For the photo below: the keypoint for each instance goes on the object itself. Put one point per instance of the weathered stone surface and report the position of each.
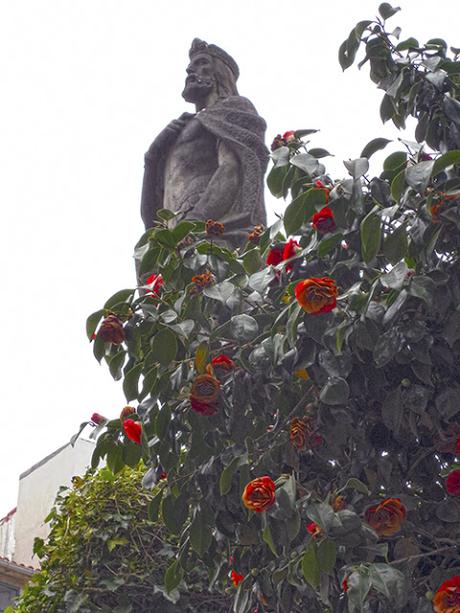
(210, 164)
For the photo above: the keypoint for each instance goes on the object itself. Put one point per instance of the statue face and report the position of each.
(200, 78)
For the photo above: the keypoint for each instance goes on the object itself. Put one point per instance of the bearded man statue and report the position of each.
(210, 164)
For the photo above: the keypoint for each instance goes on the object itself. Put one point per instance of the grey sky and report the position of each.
(85, 88)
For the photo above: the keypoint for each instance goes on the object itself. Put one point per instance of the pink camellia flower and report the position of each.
(133, 430)
(155, 282)
(98, 419)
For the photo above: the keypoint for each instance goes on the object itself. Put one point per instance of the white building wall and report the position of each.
(7, 535)
(38, 488)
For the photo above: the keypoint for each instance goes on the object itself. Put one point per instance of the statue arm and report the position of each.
(219, 196)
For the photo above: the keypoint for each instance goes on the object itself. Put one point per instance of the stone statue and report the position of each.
(210, 164)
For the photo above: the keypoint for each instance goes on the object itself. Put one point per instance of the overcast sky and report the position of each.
(86, 85)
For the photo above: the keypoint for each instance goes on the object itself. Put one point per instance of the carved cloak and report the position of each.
(235, 121)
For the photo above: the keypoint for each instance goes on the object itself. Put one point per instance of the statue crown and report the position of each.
(201, 46)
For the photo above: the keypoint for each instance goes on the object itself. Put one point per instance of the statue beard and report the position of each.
(197, 88)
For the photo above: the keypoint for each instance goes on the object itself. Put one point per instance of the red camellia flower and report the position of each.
(345, 584)
(447, 598)
(203, 408)
(289, 136)
(458, 445)
(320, 185)
(314, 529)
(155, 282)
(111, 330)
(316, 296)
(133, 430)
(236, 578)
(275, 255)
(453, 482)
(386, 517)
(259, 494)
(223, 361)
(289, 251)
(98, 419)
(204, 394)
(323, 221)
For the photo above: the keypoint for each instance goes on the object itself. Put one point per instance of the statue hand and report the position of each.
(172, 131)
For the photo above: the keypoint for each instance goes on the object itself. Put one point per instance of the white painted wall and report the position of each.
(38, 487)
(7, 535)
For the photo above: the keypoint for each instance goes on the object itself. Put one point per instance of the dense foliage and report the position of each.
(104, 554)
(303, 395)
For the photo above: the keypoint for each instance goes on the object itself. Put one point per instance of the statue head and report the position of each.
(211, 73)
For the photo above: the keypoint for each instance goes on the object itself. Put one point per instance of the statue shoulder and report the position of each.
(239, 102)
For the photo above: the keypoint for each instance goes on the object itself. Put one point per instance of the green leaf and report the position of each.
(422, 287)
(355, 484)
(174, 512)
(305, 162)
(92, 323)
(173, 575)
(226, 476)
(182, 230)
(395, 161)
(310, 565)
(99, 348)
(327, 555)
(374, 145)
(418, 176)
(268, 538)
(131, 454)
(116, 363)
(115, 458)
(165, 238)
(302, 208)
(305, 132)
(398, 184)
(243, 327)
(154, 506)
(131, 381)
(201, 358)
(123, 295)
(275, 180)
(336, 391)
(200, 534)
(328, 244)
(318, 152)
(409, 43)
(446, 160)
(390, 582)
(395, 278)
(357, 168)
(395, 245)
(371, 236)
(220, 291)
(386, 10)
(164, 347)
(448, 402)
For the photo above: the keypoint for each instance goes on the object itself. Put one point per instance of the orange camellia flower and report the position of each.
(338, 503)
(316, 296)
(256, 233)
(204, 280)
(214, 228)
(298, 433)
(453, 483)
(111, 330)
(386, 517)
(133, 430)
(204, 394)
(447, 598)
(259, 494)
(126, 412)
(302, 373)
(236, 578)
(323, 221)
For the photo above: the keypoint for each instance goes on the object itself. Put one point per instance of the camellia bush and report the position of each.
(103, 553)
(301, 395)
